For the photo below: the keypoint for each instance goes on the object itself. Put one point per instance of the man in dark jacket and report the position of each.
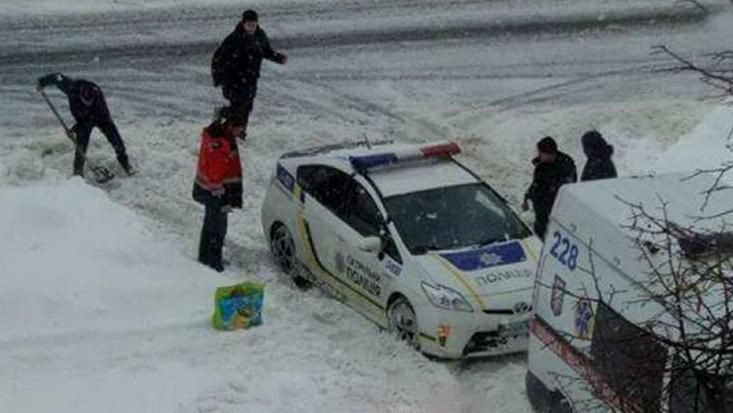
(552, 169)
(236, 63)
(218, 184)
(599, 164)
(89, 109)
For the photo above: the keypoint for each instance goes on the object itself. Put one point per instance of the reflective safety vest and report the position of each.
(219, 171)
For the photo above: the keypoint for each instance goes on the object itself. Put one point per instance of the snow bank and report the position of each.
(706, 147)
(73, 261)
(99, 314)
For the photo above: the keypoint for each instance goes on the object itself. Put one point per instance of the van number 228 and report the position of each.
(564, 251)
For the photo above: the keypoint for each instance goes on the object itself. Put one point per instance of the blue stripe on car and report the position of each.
(487, 257)
(285, 178)
(370, 161)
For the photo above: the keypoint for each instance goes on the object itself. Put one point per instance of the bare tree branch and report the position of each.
(693, 323)
(719, 79)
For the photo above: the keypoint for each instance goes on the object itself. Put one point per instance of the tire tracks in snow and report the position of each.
(11, 57)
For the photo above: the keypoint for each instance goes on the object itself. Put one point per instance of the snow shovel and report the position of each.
(101, 173)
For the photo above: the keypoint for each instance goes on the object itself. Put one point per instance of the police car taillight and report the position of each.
(383, 159)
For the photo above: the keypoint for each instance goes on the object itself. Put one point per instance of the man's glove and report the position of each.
(281, 58)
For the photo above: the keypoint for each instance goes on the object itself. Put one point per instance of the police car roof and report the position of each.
(396, 178)
(420, 176)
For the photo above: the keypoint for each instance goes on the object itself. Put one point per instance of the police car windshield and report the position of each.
(453, 217)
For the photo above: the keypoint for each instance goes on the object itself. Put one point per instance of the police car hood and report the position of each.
(499, 276)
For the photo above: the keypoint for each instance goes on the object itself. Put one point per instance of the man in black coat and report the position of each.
(89, 109)
(599, 164)
(236, 63)
(552, 169)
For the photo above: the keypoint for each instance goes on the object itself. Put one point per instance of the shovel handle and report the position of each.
(56, 113)
(101, 174)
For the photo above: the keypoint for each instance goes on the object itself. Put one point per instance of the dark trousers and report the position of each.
(241, 99)
(540, 227)
(212, 237)
(83, 131)
(542, 218)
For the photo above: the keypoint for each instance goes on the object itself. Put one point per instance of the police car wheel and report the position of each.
(403, 321)
(283, 249)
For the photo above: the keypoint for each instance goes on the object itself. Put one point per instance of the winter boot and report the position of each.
(125, 163)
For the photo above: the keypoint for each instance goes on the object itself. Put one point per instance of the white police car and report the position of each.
(408, 237)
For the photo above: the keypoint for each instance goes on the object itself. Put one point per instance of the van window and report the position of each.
(630, 359)
(693, 391)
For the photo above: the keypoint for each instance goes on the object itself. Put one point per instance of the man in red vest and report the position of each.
(218, 184)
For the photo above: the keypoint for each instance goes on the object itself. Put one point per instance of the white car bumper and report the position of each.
(455, 334)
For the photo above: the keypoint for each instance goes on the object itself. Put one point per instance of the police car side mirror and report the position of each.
(371, 245)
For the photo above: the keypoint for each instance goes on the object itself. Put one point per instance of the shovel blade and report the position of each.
(102, 175)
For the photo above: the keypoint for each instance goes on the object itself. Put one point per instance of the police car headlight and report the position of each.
(447, 298)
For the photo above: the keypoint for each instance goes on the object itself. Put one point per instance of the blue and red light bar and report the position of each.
(441, 150)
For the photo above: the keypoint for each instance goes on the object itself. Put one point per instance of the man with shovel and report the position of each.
(89, 109)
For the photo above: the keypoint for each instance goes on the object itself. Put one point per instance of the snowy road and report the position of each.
(495, 75)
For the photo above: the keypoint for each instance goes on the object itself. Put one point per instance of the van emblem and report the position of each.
(558, 296)
(584, 318)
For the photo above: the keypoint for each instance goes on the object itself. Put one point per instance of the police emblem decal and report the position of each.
(558, 295)
(491, 259)
(584, 318)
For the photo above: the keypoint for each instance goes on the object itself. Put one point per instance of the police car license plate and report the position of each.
(514, 329)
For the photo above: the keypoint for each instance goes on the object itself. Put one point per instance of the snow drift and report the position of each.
(99, 313)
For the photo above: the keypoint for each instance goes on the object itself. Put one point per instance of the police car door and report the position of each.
(324, 200)
(364, 270)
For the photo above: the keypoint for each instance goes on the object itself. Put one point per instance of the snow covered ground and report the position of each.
(131, 321)
(99, 315)
(708, 146)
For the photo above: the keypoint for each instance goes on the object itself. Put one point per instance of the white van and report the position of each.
(591, 347)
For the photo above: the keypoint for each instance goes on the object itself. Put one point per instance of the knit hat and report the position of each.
(249, 16)
(547, 145)
(230, 116)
